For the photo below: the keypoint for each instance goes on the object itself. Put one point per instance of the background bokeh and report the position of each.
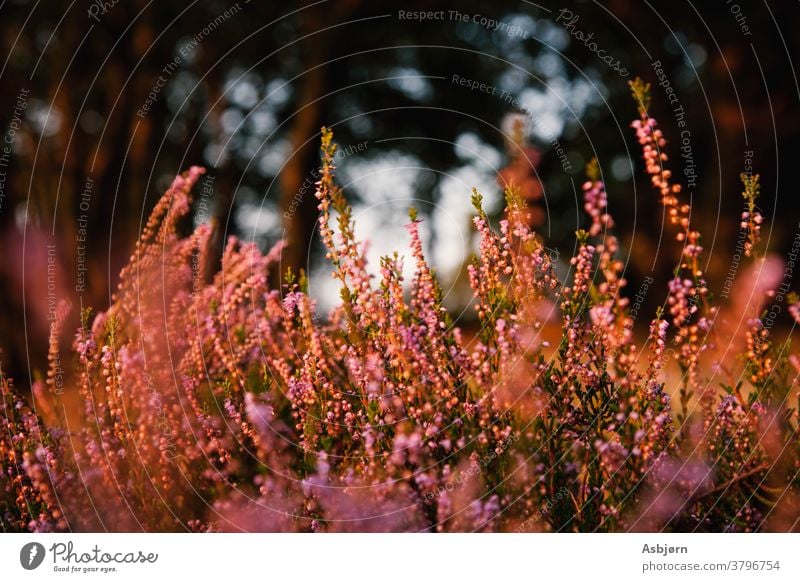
(104, 102)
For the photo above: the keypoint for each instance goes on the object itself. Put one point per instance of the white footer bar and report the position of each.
(401, 557)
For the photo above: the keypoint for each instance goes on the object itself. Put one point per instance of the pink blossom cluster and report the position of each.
(209, 397)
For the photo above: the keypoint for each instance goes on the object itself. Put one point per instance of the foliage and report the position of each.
(222, 403)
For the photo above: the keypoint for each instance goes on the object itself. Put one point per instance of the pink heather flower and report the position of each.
(794, 311)
(595, 204)
(658, 335)
(240, 407)
(681, 300)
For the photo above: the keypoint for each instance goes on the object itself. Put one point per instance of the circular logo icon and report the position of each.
(31, 555)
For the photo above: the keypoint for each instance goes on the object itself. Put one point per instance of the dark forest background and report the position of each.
(245, 92)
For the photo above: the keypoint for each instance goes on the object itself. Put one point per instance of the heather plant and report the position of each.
(212, 400)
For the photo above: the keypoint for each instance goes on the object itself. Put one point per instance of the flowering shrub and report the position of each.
(217, 402)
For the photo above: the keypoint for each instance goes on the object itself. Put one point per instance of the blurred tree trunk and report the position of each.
(299, 210)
